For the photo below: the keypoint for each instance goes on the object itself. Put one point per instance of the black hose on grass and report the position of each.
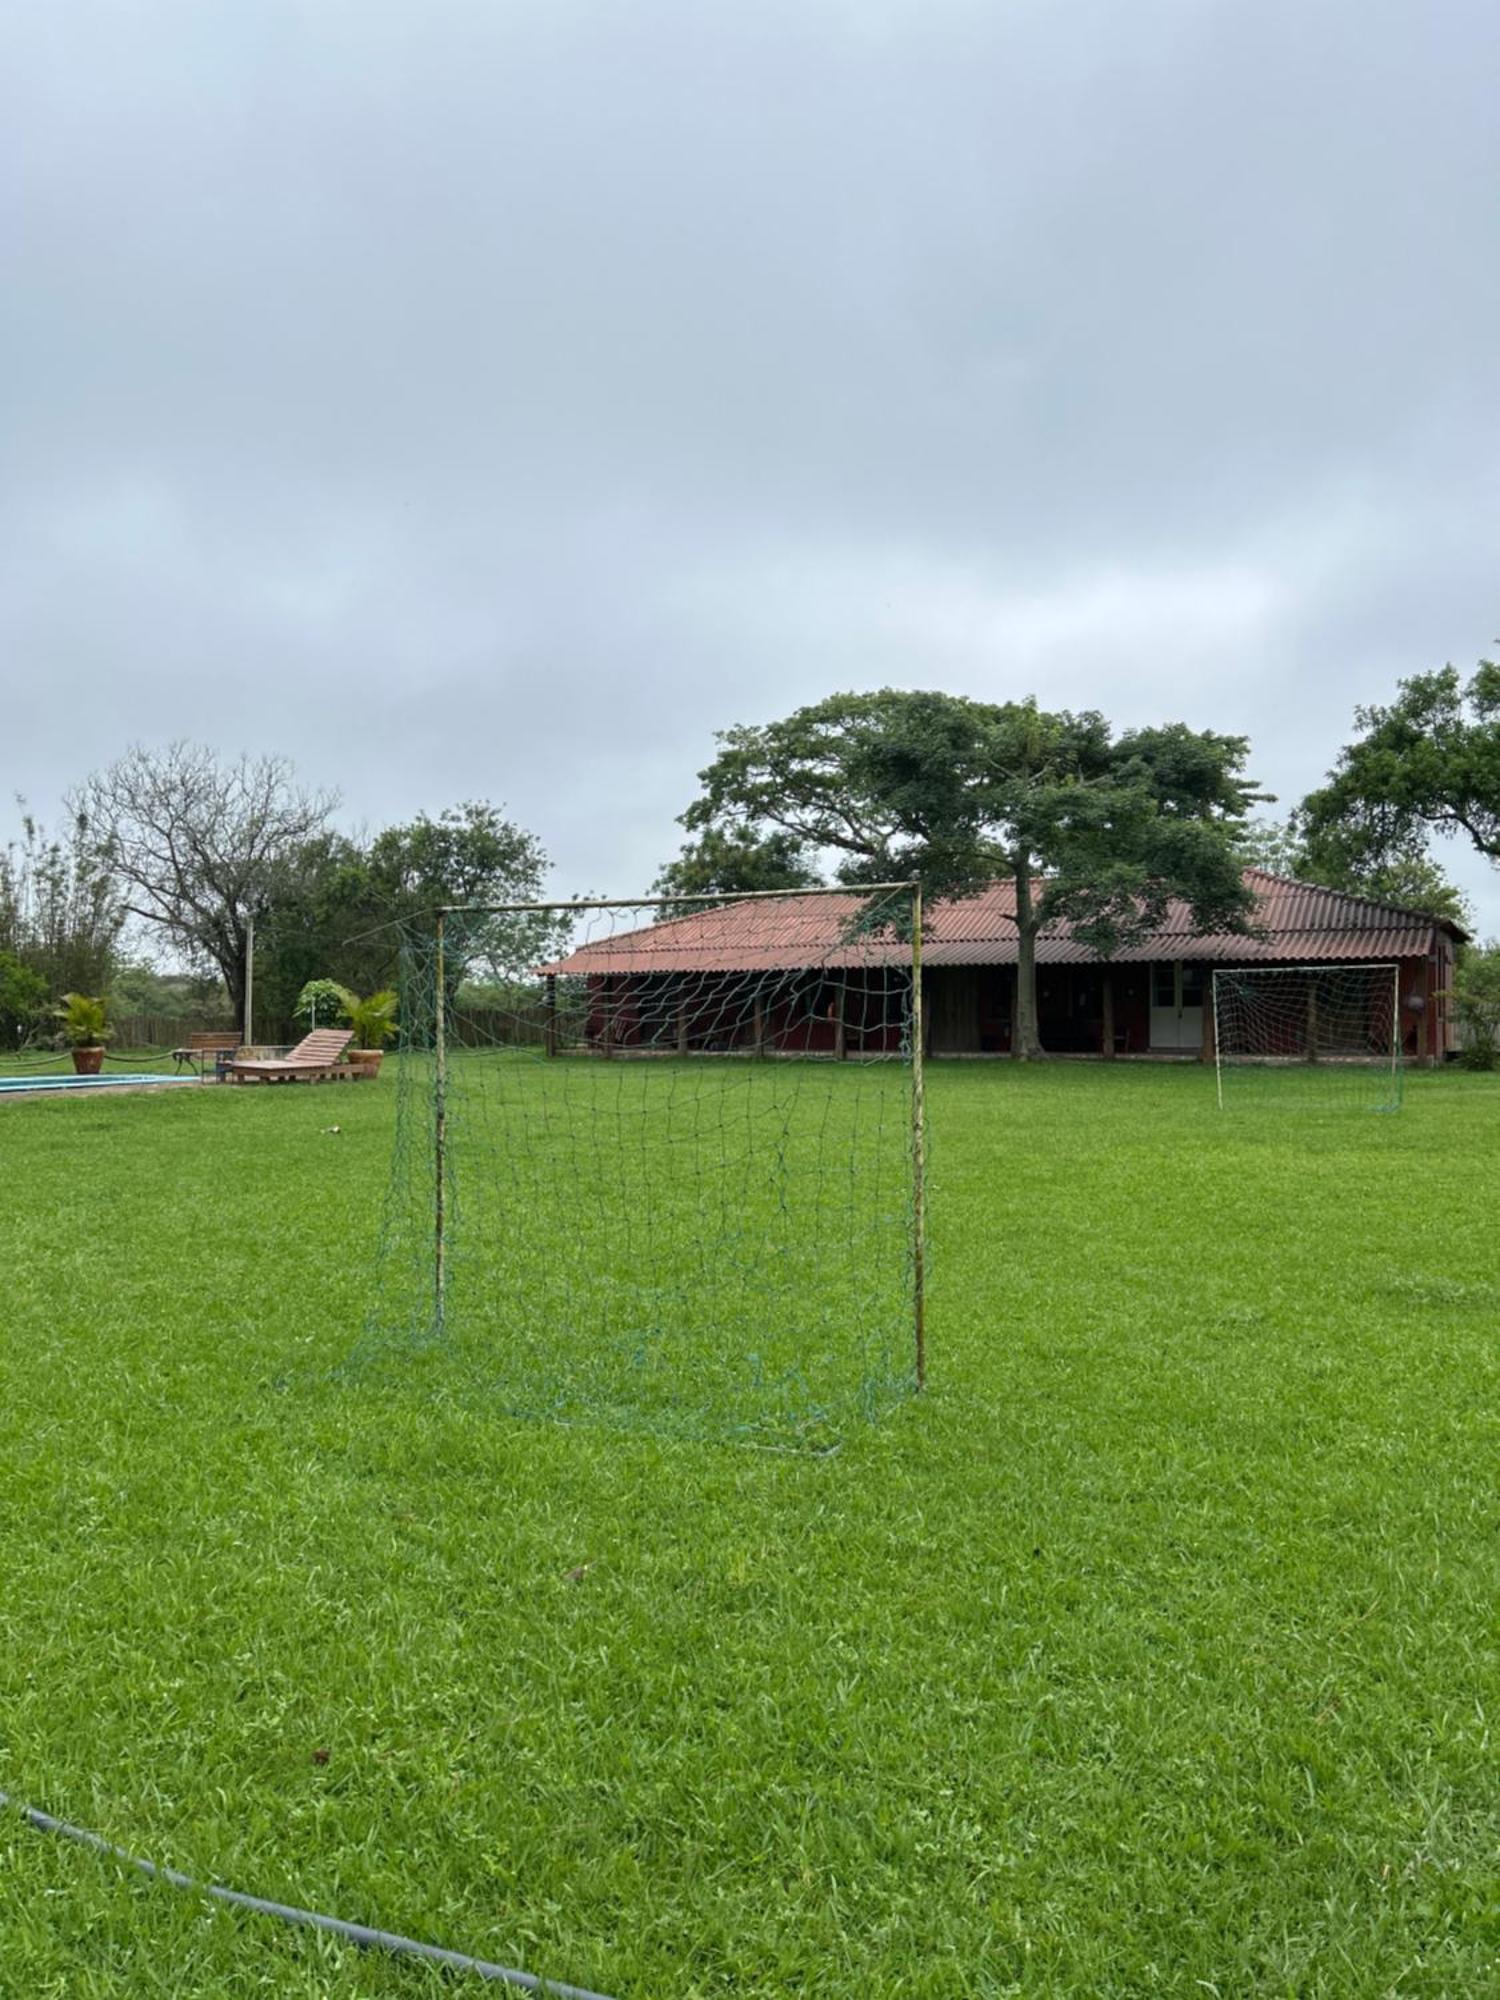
(357, 1934)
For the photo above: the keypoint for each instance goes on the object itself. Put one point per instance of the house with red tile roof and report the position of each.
(1151, 998)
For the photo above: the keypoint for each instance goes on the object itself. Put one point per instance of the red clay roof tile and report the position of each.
(1300, 922)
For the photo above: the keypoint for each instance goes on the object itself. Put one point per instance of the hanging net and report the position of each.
(1309, 1035)
(658, 1167)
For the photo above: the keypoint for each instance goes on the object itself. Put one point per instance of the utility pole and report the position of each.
(249, 981)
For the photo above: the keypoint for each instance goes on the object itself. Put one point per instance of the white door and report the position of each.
(1176, 1005)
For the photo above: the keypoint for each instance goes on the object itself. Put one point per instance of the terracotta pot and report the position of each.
(366, 1061)
(88, 1062)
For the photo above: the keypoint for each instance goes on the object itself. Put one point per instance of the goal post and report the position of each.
(1315, 1035)
(671, 1154)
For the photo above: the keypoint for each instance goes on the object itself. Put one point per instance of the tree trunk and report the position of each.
(224, 945)
(1025, 1042)
(230, 954)
(233, 972)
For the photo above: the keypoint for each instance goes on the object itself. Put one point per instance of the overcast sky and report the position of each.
(494, 399)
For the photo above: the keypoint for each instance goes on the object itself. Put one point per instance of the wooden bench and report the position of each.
(221, 1044)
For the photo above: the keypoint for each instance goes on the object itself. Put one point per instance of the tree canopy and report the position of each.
(201, 846)
(61, 911)
(1427, 762)
(1098, 828)
(471, 855)
(339, 908)
(196, 844)
(728, 861)
(1407, 880)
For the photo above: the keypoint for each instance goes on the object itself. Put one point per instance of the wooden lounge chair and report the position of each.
(316, 1059)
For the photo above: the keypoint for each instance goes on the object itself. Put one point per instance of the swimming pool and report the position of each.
(14, 1085)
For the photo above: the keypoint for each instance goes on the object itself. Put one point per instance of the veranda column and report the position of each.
(1427, 1027)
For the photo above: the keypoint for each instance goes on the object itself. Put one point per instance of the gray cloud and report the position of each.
(551, 385)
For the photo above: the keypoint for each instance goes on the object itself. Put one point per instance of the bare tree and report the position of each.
(196, 843)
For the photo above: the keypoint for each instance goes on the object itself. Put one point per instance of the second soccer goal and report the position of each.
(1314, 1035)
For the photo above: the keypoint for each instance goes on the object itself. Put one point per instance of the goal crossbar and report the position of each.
(721, 896)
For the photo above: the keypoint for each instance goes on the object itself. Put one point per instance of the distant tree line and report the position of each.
(61, 916)
(177, 854)
(187, 851)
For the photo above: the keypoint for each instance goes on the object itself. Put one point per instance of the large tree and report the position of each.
(1427, 762)
(471, 853)
(339, 908)
(1096, 828)
(197, 844)
(323, 919)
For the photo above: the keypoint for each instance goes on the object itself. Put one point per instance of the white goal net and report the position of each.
(1308, 1034)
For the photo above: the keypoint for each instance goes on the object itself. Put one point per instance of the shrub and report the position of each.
(1476, 1005)
(323, 999)
(23, 1000)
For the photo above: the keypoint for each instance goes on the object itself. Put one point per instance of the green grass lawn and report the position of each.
(1155, 1650)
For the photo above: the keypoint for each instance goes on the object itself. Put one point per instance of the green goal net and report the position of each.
(660, 1165)
(1309, 1035)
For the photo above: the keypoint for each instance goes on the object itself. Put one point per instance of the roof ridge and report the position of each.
(1355, 896)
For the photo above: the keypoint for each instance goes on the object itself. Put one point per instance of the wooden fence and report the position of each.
(169, 1031)
(512, 1027)
(159, 1031)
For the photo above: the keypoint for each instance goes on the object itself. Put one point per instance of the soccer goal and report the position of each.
(660, 1162)
(1309, 1034)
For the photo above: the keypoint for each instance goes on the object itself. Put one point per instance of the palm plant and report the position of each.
(82, 1022)
(374, 1019)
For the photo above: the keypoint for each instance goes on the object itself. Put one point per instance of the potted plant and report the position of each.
(84, 1030)
(374, 1023)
